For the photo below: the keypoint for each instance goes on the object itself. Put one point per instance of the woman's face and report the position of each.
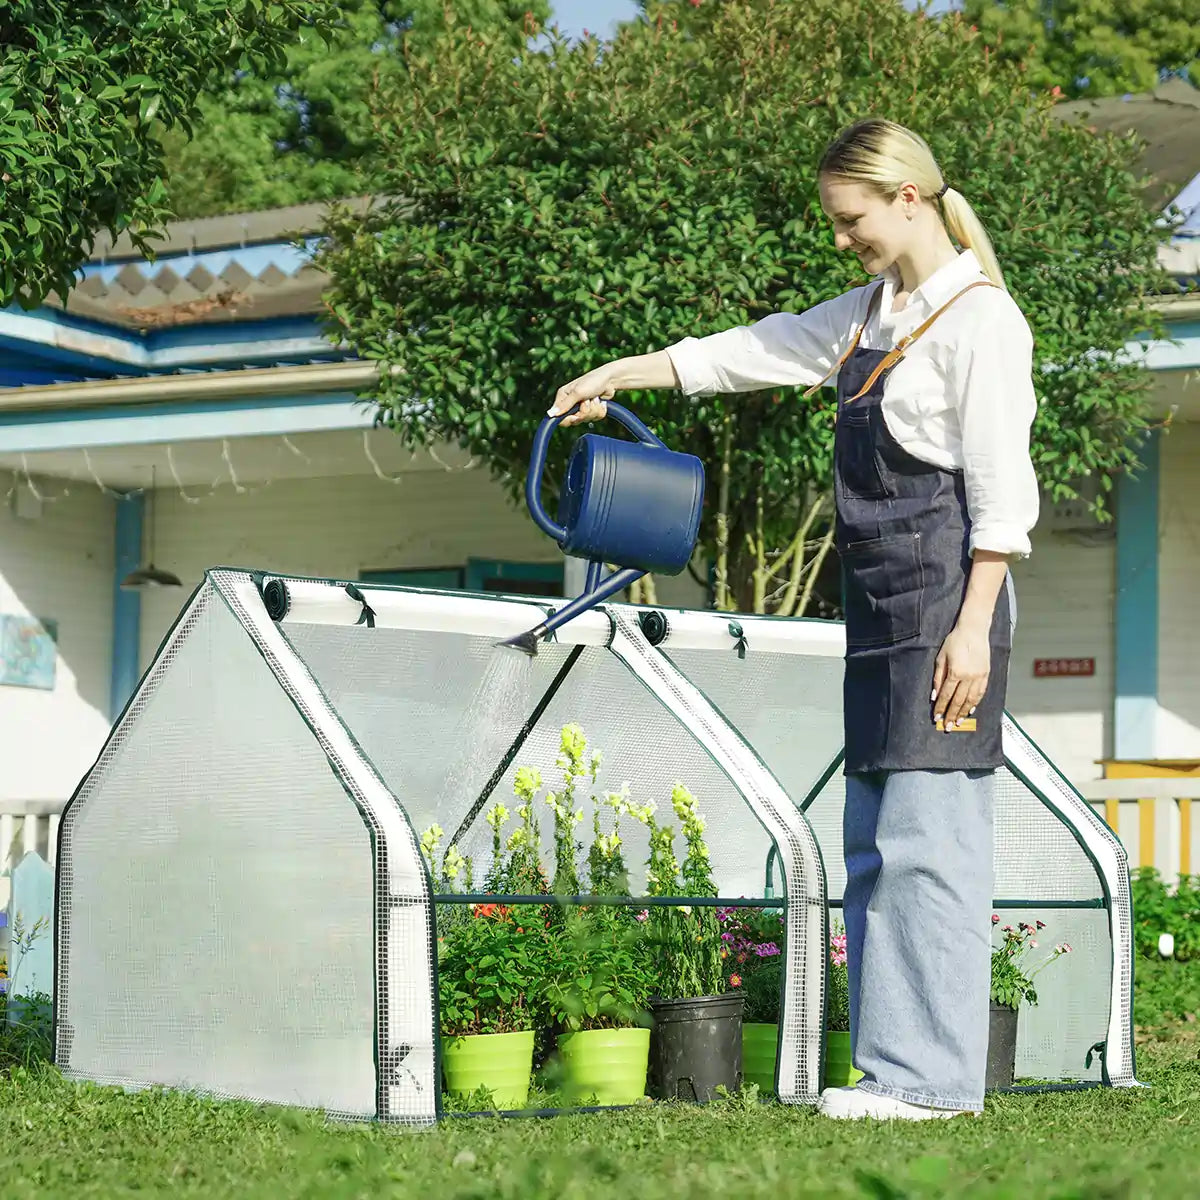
(865, 224)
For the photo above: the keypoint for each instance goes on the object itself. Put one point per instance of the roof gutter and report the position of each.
(1178, 308)
(353, 376)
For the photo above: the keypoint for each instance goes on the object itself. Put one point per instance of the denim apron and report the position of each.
(902, 533)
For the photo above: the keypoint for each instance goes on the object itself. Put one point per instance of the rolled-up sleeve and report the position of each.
(782, 350)
(996, 407)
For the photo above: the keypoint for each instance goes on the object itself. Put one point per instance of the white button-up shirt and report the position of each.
(961, 397)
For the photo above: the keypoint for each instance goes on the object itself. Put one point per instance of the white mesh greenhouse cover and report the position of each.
(242, 909)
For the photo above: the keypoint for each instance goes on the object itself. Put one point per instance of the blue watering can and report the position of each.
(635, 504)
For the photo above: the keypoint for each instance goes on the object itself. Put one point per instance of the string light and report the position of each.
(175, 475)
(104, 488)
(226, 476)
(237, 487)
(371, 459)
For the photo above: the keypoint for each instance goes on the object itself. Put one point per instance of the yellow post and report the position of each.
(1112, 815)
(1146, 833)
(1185, 836)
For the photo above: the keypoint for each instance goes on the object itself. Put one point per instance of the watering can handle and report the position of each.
(537, 463)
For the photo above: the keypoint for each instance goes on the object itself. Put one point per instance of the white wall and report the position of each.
(1179, 594)
(60, 566)
(337, 527)
(1065, 595)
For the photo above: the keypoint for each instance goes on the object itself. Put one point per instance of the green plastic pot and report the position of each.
(501, 1062)
(760, 1044)
(839, 1070)
(607, 1063)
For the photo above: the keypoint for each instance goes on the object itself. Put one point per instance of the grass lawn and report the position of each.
(65, 1140)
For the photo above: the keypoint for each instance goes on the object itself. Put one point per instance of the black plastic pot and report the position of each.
(695, 1045)
(1002, 1047)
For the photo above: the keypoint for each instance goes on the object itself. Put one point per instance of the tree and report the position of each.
(567, 206)
(302, 131)
(1093, 47)
(86, 90)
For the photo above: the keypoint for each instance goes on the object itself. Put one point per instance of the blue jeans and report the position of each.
(918, 898)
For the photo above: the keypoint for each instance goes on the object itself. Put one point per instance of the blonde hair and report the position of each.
(882, 155)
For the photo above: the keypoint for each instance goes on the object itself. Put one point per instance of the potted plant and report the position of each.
(489, 972)
(1012, 985)
(754, 957)
(596, 988)
(839, 1069)
(752, 949)
(696, 1043)
(754, 944)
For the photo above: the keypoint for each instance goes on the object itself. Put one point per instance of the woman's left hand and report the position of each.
(960, 675)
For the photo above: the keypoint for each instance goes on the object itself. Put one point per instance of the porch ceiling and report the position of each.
(249, 460)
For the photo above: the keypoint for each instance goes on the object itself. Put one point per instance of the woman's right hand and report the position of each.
(589, 392)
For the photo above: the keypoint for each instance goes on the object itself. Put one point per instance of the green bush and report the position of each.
(1156, 911)
(29, 1038)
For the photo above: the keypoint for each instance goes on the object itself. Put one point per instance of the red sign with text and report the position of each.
(1044, 667)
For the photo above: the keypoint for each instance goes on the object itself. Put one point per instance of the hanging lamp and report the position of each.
(150, 576)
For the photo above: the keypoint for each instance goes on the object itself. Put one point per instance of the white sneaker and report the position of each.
(849, 1104)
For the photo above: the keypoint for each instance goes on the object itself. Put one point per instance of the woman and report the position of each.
(935, 494)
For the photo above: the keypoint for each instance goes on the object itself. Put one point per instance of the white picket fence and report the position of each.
(26, 828)
(1157, 820)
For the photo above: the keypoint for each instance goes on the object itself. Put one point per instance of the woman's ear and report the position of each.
(909, 197)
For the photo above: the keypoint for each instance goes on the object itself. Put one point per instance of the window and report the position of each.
(479, 575)
(517, 579)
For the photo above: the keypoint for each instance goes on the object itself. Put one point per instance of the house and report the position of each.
(190, 412)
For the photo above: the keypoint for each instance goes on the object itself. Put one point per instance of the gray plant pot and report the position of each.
(695, 1045)
(1002, 1047)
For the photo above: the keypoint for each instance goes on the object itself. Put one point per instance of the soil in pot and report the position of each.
(501, 1062)
(696, 1045)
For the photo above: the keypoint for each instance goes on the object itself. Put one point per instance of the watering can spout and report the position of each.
(527, 641)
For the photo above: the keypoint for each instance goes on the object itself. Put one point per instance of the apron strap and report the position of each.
(837, 366)
(895, 355)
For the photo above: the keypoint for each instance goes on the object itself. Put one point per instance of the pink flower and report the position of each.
(995, 918)
(643, 915)
(735, 981)
(1066, 948)
(1007, 929)
(1033, 945)
(1041, 924)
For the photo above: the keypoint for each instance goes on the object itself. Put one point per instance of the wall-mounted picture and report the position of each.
(28, 652)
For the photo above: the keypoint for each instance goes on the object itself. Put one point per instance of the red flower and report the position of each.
(734, 980)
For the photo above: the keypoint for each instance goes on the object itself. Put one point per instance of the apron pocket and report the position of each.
(884, 582)
(858, 473)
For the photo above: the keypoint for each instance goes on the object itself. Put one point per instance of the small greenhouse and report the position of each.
(244, 909)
